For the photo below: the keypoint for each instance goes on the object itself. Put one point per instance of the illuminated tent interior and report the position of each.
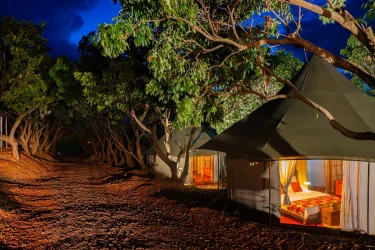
(286, 148)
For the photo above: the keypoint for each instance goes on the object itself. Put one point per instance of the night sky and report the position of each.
(330, 36)
(68, 20)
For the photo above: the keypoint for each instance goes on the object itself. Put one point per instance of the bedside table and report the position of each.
(330, 216)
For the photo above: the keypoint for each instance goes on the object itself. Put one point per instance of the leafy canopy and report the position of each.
(24, 49)
(189, 72)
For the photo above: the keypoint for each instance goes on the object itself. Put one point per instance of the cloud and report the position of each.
(62, 17)
(77, 23)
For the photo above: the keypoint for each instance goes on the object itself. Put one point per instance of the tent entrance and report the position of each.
(202, 169)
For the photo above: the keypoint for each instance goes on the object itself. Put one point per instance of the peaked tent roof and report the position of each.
(289, 128)
(182, 136)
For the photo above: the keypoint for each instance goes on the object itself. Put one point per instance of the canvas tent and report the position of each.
(206, 166)
(288, 129)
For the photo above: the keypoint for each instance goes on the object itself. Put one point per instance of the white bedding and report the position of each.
(305, 194)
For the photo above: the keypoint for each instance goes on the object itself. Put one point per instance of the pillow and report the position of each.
(290, 189)
(296, 186)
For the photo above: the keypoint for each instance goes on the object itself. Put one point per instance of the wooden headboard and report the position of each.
(338, 187)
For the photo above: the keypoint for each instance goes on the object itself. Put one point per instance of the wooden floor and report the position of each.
(285, 220)
(206, 186)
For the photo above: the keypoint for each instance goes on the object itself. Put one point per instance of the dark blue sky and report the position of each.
(330, 36)
(68, 20)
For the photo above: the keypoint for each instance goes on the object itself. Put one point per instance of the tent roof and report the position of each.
(289, 128)
(182, 136)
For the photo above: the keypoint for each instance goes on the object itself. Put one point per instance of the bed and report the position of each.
(305, 205)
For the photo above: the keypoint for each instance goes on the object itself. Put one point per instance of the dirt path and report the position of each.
(63, 210)
(80, 206)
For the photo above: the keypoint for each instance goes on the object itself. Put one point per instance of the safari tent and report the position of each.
(205, 166)
(285, 149)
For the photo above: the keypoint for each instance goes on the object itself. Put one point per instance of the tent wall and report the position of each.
(163, 171)
(249, 184)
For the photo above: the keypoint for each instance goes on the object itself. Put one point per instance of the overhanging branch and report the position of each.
(325, 54)
(344, 18)
(335, 124)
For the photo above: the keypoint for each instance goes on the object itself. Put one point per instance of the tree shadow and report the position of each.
(216, 200)
(7, 200)
(189, 196)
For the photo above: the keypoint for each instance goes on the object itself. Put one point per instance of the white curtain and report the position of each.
(358, 197)
(287, 169)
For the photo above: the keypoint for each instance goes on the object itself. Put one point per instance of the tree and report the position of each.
(357, 53)
(237, 105)
(113, 87)
(370, 6)
(22, 86)
(202, 48)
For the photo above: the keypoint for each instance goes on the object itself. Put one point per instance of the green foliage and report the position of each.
(111, 86)
(338, 4)
(357, 53)
(113, 39)
(234, 108)
(68, 89)
(187, 74)
(285, 65)
(23, 84)
(370, 6)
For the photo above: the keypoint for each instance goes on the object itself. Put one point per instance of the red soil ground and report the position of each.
(88, 205)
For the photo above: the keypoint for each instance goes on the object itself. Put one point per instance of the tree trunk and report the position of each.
(171, 164)
(109, 155)
(15, 152)
(185, 171)
(129, 152)
(121, 157)
(10, 138)
(94, 148)
(138, 147)
(35, 138)
(25, 135)
(110, 152)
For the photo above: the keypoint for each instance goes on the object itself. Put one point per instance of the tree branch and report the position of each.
(344, 18)
(335, 124)
(207, 35)
(310, 47)
(140, 124)
(325, 54)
